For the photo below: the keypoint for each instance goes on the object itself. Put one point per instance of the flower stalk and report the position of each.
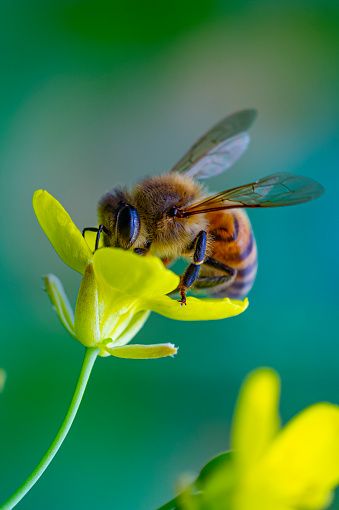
(89, 360)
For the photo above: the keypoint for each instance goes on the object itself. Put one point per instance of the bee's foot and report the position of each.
(182, 301)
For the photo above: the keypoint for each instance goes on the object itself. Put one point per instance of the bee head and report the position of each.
(120, 218)
(149, 214)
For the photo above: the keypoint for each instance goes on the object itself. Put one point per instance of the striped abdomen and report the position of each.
(233, 244)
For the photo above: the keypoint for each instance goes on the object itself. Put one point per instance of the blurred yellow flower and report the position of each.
(294, 468)
(118, 290)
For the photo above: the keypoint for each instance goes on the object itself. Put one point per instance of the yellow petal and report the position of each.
(115, 309)
(86, 321)
(197, 309)
(256, 419)
(116, 322)
(90, 238)
(132, 274)
(64, 236)
(302, 465)
(135, 351)
(59, 300)
(124, 327)
(135, 324)
(256, 494)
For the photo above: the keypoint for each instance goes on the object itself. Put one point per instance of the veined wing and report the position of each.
(276, 190)
(219, 148)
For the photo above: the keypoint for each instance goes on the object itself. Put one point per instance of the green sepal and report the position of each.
(213, 466)
(87, 321)
(60, 302)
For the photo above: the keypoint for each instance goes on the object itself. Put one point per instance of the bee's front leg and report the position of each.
(99, 231)
(192, 272)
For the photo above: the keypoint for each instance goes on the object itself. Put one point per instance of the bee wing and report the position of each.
(276, 190)
(219, 148)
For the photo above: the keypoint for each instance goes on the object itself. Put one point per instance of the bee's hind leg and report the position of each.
(227, 270)
(208, 281)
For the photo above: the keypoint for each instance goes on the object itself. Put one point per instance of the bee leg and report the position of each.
(209, 281)
(140, 251)
(186, 281)
(209, 261)
(192, 272)
(89, 229)
(98, 230)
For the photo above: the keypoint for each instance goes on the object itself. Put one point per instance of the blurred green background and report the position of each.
(94, 94)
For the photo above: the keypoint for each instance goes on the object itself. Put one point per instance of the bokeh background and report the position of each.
(95, 94)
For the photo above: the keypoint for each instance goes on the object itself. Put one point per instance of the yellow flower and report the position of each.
(118, 290)
(269, 468)
(293, 468)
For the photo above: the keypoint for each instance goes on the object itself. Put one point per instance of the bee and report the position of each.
(172, 215)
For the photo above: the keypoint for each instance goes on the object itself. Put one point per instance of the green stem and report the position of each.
(89, 359)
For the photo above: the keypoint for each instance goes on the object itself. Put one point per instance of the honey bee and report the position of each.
(172, 215)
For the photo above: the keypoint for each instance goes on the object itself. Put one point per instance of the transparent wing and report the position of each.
(219, 148)
(276, 190)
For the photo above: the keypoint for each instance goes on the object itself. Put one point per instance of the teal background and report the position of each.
(93, 94)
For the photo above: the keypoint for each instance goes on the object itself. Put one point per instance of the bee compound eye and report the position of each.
(127, 226)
